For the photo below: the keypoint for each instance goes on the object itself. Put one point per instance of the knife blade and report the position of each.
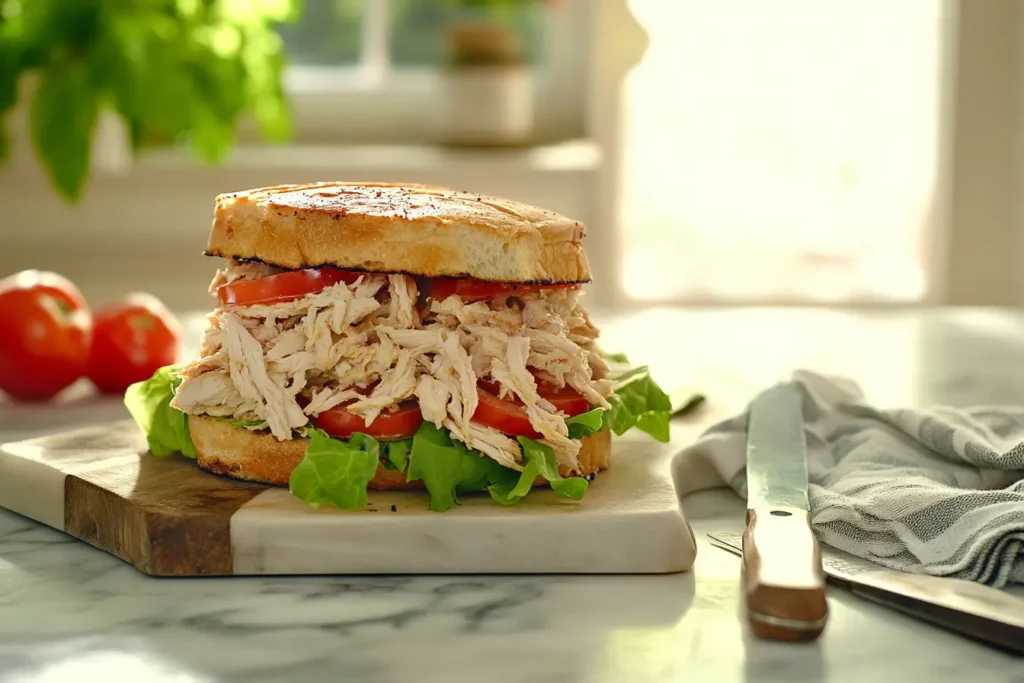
(783, 579)
(982, 613)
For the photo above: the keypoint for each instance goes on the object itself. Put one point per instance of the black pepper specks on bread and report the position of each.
(416, 229)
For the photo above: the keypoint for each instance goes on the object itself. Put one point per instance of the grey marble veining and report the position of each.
(83, 602)
(67, 611)
(70, 612)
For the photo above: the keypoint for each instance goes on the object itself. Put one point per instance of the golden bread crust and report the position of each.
(384, 227)
(236, 452)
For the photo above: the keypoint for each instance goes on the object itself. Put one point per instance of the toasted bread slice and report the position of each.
(414, 229)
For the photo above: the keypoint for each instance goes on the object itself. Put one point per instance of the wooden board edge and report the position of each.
(183, 536)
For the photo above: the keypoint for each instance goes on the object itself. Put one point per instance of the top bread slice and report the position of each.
(414, 229)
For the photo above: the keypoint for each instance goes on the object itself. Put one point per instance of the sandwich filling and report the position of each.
(380, 354)
(463, 384)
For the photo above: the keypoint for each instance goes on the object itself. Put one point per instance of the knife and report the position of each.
(983, 613)
(783, 579)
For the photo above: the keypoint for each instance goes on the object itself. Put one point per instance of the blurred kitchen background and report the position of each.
(813, 152)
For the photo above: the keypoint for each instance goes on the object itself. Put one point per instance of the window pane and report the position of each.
(783, 150)
(418, 27)
(329, 33)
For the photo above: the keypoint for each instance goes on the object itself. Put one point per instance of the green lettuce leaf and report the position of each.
(639, 402)
(540, 460)
(501, 490)
(149, 403)
(586, 424)
(685, 402)
(397, 457)
(249, 423)
(336, 471)
(448, 468)
(615, 357)
(655, 423)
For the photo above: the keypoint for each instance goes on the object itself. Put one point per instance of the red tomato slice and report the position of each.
(565, 399)
(470, 289)
(505, 416)
(400, 424)
(274, 289)
(568, 400)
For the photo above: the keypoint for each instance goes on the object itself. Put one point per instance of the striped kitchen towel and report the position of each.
(933, 491)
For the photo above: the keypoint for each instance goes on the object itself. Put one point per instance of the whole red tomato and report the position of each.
(45, 328)
(132, 338)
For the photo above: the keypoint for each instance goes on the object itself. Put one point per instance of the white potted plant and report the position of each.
(487, 79)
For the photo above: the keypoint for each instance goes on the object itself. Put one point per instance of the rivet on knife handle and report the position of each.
(782, 575)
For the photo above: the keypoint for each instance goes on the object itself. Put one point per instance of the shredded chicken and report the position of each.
(403, 312)
(433, 395)
(372, 345)
(248, 370)
(397, 386)
(212, 393)
(512, 372)
(488, 441)
(325, 399)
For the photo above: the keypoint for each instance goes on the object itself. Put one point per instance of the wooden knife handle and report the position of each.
(783, 576)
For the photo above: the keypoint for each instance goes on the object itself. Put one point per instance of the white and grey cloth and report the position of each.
(933, 491)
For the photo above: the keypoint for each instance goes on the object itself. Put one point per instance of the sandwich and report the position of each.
(371, 336)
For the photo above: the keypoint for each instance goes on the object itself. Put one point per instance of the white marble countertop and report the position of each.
(69, 612)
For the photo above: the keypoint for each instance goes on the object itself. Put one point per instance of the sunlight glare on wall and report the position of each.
(783, 150)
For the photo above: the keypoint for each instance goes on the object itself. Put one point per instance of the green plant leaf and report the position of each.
(211, 136)
(177, 72)
(62, 117)
(9, 73)
(264, 62)
(254, 11)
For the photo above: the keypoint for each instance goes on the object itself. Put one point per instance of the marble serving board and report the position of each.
(167, 517)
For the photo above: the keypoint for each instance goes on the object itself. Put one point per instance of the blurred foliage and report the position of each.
(185, 71)
(173, 70)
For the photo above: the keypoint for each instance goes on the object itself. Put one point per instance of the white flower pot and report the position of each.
(487, 105)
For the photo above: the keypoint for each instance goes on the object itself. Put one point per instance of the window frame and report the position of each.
(374, 102)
